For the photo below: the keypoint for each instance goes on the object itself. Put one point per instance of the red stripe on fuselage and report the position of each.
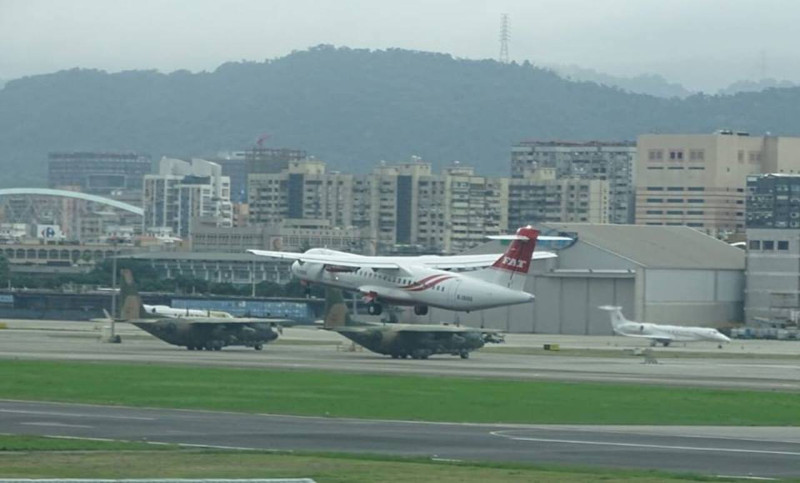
(430, 282)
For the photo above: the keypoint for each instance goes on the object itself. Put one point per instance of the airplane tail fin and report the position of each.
(336, 314)
(615, 313)
(511, 268)
(132, 307)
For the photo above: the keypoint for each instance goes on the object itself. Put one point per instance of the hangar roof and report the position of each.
(657, 246)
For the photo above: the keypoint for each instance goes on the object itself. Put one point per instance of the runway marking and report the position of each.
(641, 445)
(74, 415)
(738, 477)
(59, 425)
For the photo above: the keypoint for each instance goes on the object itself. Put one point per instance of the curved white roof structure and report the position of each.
(72, 194)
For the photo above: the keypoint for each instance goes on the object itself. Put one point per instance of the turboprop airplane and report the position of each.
(422, 281)
(418, 341)
(194, 332)
(658, 333)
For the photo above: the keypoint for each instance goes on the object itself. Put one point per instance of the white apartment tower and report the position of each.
(183, 193)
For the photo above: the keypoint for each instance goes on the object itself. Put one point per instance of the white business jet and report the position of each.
(660, 334)
(422, 281)
(167, 311)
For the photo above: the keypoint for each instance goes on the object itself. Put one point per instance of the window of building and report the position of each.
(697, 155)
(674, 200)
(675, 188)
(655, 200)
(655, 212)
(655, 155)
(696, 200)
(676, 155)
(695, 225)
(783, 245)
(695, 212)
(674, 212)
(696, 188)
(755, 245)
(768, 245)
(655, 188)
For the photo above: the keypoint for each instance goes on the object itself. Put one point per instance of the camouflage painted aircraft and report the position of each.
(195, 333)
(404, 340)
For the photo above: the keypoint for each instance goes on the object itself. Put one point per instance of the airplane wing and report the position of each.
(350, 261)
(209, 321)
(472, 261)
(386, 293)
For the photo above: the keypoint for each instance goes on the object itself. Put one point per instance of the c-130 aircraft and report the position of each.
(195, 332)
(418, 341)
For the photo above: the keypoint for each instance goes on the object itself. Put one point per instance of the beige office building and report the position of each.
(698, 180)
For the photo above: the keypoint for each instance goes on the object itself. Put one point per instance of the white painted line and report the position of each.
(738, 477)
(74, 415)
(638, 445)
(106, 440)
(58, 425)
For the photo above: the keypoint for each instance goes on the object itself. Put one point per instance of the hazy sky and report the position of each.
(703, 44)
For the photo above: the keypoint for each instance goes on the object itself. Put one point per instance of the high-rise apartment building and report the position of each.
(698, 180)
(183, 193)
(592, 160)
(304, 190)
(542, 197)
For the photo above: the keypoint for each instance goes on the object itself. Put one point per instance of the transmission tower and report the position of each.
(504, 38)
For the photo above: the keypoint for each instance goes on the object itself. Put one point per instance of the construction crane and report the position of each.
(262, 138)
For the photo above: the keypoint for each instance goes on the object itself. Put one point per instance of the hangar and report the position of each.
(659, 274)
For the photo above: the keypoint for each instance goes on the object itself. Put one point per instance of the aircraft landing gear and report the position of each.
(420, 354)
(374, 308)
(464, 354)
(420, 310)
(258, 347)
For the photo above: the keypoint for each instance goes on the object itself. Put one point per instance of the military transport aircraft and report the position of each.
(195, 332)
(404, 340)
(422, 281)
(660, 334)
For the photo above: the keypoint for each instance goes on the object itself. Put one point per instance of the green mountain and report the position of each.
(351, 108)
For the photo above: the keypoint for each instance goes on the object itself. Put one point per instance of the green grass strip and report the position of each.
(44, 457)
(391, 396)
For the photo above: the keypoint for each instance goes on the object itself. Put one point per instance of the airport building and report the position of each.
(698, 180)
(657, 274)
(608, 161)
(772, 292)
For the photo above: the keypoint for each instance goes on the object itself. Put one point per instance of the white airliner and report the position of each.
(660, 334)
(167, 311)
(424, 281)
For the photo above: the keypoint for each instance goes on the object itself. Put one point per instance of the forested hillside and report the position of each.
(351, 108)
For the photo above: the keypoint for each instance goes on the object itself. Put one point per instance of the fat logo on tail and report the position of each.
(511, 268)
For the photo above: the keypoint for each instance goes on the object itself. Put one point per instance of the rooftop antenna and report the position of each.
(504, 38)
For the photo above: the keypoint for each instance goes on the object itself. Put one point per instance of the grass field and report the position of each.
(36, 457)
(391, 396)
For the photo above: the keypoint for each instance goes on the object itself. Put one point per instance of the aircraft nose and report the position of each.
(723, 337)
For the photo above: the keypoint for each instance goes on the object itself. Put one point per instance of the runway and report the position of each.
(313, 349)
(751, 451)
(762, 452)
